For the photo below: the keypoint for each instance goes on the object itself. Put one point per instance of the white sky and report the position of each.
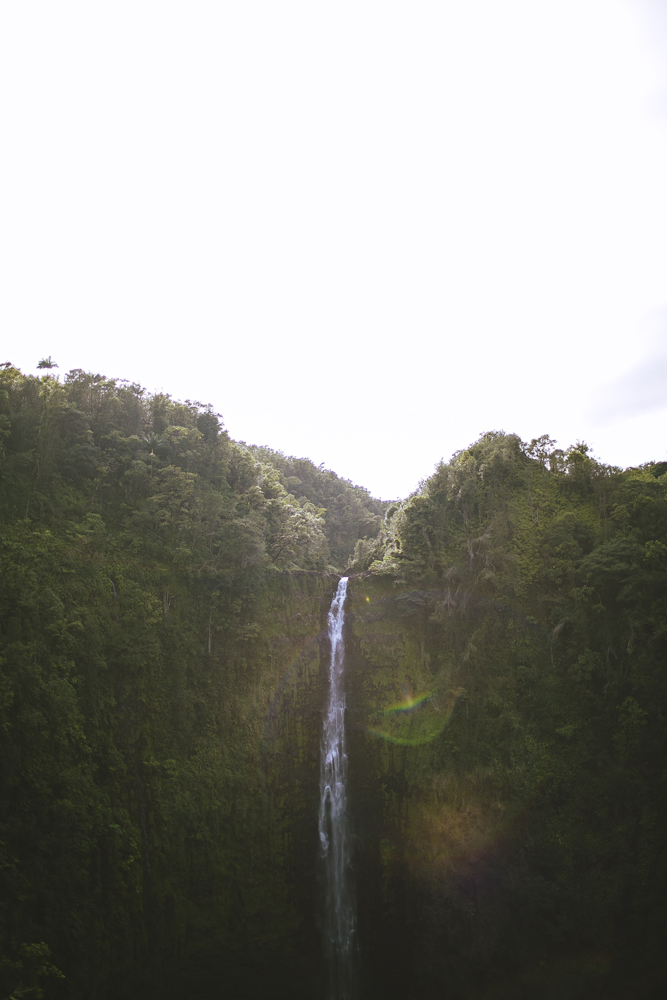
(365, 231)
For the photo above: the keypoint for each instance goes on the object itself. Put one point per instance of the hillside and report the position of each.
(163, 602)
(507, 706)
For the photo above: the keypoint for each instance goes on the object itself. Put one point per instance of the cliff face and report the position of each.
(467, 847)
(436, 787)
(160, 790)
(165, 793)
(236, 893)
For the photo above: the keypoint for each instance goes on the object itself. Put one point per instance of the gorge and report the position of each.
(195, 803)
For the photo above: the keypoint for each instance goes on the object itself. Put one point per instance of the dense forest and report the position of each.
(163, 650)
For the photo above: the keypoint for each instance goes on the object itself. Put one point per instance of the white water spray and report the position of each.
(340, 927)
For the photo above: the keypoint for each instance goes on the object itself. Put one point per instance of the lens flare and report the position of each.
(409, 704)
(409, 727)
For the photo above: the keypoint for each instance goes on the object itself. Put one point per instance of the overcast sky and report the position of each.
(365, 231)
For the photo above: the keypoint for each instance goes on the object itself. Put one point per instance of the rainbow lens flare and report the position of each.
(417, 720)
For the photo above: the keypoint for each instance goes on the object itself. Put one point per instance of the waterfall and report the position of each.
(339, 903)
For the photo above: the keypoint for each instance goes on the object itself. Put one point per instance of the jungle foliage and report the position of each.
(163, 600)
(351, 513)
(522, 804)
(157, 581)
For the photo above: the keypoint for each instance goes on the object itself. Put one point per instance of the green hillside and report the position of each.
(508, 702)
(163, 658)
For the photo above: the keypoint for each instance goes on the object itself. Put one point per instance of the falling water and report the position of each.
(339, 903)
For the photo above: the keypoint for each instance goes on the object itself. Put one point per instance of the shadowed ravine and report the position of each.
(339, 902)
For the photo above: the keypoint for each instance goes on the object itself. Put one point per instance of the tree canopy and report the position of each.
(163, 602)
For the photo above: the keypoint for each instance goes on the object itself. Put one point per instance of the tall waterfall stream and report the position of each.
(340, 924)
